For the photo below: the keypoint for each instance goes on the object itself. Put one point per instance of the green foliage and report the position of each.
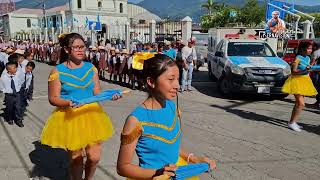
(219, 19)
(211, 6)
(252, 14)
(316, 24)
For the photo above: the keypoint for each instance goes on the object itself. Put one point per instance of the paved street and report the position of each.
(247, 136)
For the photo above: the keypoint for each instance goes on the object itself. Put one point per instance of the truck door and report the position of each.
(218, 60)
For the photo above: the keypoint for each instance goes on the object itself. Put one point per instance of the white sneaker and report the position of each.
(300, 127)
(294, 126)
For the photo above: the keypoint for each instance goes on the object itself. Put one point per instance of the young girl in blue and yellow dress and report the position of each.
(153, 129)
(299, 83)
(81, 129)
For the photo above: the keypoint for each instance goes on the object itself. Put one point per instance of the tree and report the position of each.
(252, 14)
(221, 18)
(316, 25)
(210, 5)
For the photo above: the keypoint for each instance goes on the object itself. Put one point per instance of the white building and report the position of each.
(76, 16)
(137, 14)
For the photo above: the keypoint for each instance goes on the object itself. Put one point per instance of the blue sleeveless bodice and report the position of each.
(76, 84)
(160, 141)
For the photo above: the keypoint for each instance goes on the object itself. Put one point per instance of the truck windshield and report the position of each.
(250, 49)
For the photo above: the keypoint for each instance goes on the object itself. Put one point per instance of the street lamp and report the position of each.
(92, 30)
(44, 18)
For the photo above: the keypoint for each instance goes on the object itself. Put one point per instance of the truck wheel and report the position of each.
(211, 76)
(225, 86)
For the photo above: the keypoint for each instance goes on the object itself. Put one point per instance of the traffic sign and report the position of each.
(94, 25)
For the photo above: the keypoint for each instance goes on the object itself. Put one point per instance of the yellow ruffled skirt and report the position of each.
(299, 84)
(76, 128)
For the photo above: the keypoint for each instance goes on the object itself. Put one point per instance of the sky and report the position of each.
(300, 2)
(135, 1)
(304, 2)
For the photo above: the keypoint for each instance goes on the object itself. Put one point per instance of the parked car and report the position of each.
(249, 66)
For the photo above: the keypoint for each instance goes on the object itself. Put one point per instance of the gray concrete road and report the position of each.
(247, 136)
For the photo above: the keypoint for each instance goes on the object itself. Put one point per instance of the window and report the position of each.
(28, 23)
(250, 49)
(43, 23)
(99, 4)
(121, 8)
(79, 4)
(219, 46)
(54, 21)
(141, 21)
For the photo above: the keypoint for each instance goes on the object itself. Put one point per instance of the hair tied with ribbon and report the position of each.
(63, 35)
(139, 58)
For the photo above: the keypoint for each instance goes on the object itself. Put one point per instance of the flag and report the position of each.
(103, 96)
(87, 20)
(188, 171)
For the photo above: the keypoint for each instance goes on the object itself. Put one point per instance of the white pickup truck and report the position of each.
(247, 65)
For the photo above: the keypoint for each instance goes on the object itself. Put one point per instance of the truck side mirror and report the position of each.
(219, 54)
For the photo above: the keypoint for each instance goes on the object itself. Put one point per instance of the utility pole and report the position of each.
(44, 13)
(70, 15)
(44, 19)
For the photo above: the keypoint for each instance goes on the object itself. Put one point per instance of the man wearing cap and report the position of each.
(189, 58)
(169, 51)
